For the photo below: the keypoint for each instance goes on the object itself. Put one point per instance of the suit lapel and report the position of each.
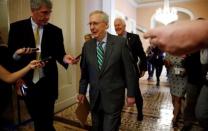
(46, 44)
(29, 39)
(30, 35)
(107, 55)
(128, 40)
(93, 51)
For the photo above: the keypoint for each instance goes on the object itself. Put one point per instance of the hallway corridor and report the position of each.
(157, 112)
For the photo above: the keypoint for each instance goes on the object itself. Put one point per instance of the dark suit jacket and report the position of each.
(193, 68)
(21, 35)
(135, 45)
(109, 83)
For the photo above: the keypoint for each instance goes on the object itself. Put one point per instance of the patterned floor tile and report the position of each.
(157, 113)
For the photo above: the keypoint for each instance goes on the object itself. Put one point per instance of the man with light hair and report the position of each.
(107, 67)
(43, 41)
(135, 46)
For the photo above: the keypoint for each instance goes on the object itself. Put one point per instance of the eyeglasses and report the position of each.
(94, 23)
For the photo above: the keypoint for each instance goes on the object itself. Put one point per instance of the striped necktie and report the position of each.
(100, 54)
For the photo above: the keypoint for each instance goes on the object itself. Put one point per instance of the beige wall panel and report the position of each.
(198, 7)
(18, 9)
(4, 20)
(126, 8)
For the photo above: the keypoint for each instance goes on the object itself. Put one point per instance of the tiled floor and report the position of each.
(157, 112)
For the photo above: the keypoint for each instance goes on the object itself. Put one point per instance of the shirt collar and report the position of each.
(34, 25)
(125, 34)
(104, 40)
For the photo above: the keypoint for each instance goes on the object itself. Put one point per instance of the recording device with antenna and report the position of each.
(78, 56)
(34, 49)
(24, 87)
(46, 59)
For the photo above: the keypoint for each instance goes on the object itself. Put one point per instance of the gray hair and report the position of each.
(104, 16)
(121, 20)
(36, 4)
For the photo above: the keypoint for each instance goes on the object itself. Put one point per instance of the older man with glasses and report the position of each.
(108, 68)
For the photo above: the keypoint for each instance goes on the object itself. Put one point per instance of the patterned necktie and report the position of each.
(100, 54)
(37, 41)
(36, 74)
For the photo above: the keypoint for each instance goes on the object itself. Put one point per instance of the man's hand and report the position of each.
(179, 38)
(25, 51)
(36, 64)
(81, 98)
(18, 85)
(70, 60)
(130, 101)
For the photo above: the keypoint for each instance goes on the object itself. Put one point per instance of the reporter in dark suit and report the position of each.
(137, 51)
(41, 97)
(107, 83)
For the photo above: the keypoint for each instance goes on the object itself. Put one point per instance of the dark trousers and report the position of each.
(103, 121)
(139, 101)
(42, 112)
(202, 107)
(150, 69)
(192, 93)
(41, 108)
(158, 69)
(5, 103)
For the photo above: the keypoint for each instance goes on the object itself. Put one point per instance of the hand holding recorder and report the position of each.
(71, 60)
(24, 51)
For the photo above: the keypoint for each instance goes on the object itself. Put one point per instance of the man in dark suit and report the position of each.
(107, 67)
(137, 51)
(43, 91)
(194, 83)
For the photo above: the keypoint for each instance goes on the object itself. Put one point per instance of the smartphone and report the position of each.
(23, 89)
(34, 49)
(78, 56)
(46, 59)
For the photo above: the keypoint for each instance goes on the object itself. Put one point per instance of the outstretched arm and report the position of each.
(8, 77)
(180, 38)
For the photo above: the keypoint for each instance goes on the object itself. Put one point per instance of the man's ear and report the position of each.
(107, 26)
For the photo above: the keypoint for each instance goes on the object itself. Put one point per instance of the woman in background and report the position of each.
(177, 80)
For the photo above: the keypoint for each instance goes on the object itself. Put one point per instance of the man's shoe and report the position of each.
(158, 83)
(140, 117)
(149, 78)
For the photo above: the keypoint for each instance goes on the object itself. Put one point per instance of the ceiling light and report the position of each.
(166, 15)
